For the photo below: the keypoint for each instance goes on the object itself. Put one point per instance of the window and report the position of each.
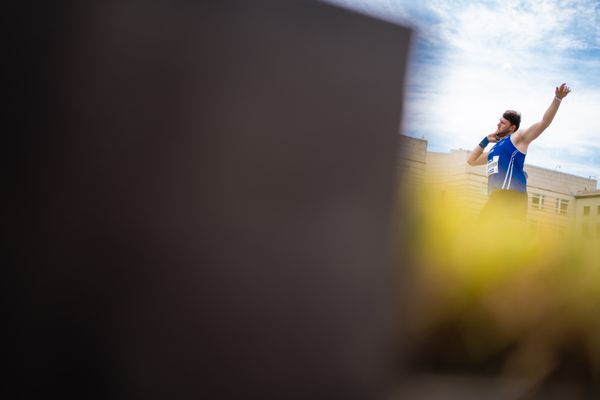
(562, 206)
(586, 210)
(537, 201)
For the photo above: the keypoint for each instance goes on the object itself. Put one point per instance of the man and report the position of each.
(507, 182)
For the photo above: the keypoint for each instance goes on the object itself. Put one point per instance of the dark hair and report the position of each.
(514, 117)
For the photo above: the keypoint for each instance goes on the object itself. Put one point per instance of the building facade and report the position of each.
(587, 214)
(557, 200)
(412, 160)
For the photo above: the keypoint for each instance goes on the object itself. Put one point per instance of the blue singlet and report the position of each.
(505, 167)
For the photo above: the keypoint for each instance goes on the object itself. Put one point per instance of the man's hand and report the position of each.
(562, 91)
(534, 131)
(493, 137)
(498, 135)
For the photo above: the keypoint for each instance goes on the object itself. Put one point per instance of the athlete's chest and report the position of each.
(500, 156)
(503, 147)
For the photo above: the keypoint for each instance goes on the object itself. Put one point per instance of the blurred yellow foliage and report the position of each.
(515, 299)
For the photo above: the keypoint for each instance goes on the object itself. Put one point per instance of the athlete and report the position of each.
(507, 181)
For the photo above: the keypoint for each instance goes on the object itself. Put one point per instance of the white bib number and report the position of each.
(492, 166)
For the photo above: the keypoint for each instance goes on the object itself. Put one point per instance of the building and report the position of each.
(557, 200)
(458, 185)
(552, 197)
(587, 213)
(412, 160)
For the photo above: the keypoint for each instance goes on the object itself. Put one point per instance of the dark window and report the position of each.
(562, 206)
(537, 201)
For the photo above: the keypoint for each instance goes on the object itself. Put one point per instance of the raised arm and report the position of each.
(535, 130)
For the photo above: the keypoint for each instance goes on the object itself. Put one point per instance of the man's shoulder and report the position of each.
(518, 140)
(517, 137)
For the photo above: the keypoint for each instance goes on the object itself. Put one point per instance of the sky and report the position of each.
(472, 60)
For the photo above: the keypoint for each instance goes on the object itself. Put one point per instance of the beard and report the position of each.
(504, 132)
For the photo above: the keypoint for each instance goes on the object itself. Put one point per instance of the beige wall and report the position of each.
(554, 186)
(588, 225)
(412, 155)
(450, 173)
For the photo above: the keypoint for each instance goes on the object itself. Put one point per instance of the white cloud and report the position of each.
(508, 56)
(496, 55)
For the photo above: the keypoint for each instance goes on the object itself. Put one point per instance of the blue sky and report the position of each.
(471, 60)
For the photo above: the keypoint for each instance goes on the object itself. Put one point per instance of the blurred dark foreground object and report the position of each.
(202, 200)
